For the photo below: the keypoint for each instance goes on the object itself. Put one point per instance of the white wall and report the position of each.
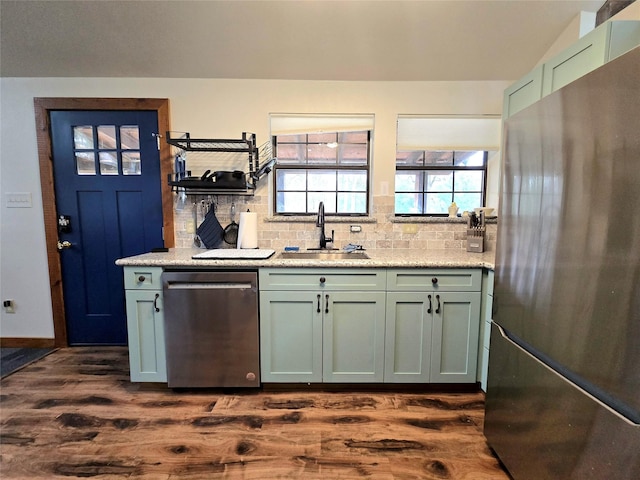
(205, 108)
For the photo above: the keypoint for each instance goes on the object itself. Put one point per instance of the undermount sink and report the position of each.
(325, 255)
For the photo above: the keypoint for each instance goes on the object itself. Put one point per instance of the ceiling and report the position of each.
(271, 39)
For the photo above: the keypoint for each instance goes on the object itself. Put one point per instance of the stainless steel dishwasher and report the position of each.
(211, 328)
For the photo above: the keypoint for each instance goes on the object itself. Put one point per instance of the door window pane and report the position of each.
(108, 163)
(107, 137)
(83, 137)
(129, 137)
(131, 163)
(85, 163)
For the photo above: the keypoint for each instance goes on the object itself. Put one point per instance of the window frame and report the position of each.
(337, 167)
(424, 169)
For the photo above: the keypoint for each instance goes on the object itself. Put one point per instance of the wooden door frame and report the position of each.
(43, 133)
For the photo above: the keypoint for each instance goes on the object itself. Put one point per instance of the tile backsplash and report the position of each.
(379, 230)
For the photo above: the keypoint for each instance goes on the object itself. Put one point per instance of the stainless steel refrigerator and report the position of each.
(563, 392)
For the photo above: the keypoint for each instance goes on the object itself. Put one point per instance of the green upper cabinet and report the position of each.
(523, 93)
(601, 45)
(587, 54)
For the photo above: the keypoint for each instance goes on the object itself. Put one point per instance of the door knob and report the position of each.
(63, 245)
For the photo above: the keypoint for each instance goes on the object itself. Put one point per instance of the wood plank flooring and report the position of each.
(76, 414)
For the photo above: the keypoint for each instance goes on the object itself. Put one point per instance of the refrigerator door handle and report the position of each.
(631, 421)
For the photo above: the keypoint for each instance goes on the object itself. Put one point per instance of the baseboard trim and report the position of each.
(27, 342)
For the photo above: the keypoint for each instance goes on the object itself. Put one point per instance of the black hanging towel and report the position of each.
(210, 231)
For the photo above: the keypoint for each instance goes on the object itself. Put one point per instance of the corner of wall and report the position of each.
(582, 24)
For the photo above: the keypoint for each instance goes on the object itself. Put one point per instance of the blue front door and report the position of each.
(107, 181)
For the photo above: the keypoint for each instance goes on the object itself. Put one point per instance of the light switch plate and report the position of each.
(18, 200)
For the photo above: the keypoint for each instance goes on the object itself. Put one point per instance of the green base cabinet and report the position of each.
(454, 340)
(322, 325)
(290, 337)
(408, 338)
(145, 324)
(432, 325)
(353, 340)
(486, 312)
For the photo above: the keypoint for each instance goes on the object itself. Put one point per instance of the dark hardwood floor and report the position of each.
(76, 414)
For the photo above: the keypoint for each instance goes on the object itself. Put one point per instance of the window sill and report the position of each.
(312, 219)
(421, 219)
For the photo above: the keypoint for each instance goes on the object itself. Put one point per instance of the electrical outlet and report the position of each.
(9, 306)
(409, 228)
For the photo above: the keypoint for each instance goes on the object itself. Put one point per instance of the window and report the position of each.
(443, 159)
(428, 181)
(117, 149)
(329, 167)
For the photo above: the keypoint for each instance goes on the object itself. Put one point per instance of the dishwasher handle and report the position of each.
(209, 286)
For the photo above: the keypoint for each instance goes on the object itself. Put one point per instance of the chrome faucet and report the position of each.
(320, 223)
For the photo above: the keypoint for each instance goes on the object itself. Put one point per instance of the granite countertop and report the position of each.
(388, 258)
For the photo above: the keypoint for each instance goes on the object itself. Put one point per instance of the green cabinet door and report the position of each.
(523, 93)
(145, 329)
(290, 336)
(454, 343)
(353, 346)
(582, 57)
(408, 337)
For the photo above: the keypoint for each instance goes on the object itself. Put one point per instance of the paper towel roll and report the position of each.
(248, 230)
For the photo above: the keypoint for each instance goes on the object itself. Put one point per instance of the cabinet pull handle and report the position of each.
(326, 305)
(155, 302)
(318, 310)
(322, 279)
(141, 278)
(438, 307)
(429, 309)
(434, 280)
